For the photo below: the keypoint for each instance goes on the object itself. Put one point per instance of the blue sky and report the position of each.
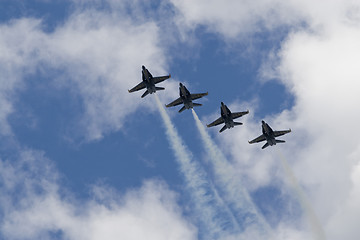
(81, 158)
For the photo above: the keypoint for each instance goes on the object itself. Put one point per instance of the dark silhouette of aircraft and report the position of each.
(148, 82)
(186, 98)
(227, 117)
(269, 135)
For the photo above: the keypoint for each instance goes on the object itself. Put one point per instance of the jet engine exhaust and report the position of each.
(315, 224)
(234, 194)
(205, 197)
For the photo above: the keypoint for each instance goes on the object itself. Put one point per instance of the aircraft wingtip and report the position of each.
(128, 90)
(169, 75)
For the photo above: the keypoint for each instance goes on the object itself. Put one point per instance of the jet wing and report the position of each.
(238, 114)
(160, 79)
(175, 103)
(197, 95)
(218, 121)
(138, 87)
(280, 133)
(258, 139)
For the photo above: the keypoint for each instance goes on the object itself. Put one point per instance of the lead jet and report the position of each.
(186, 99)
(269, 135)
(227, 117)
(148, 82)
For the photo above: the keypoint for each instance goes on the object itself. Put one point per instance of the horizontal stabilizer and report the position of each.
(279, 141)
(159, 88)
(265, 146)
(145, 93)
(237, 123)
(223, 128)
(182, 109)
(197, 104)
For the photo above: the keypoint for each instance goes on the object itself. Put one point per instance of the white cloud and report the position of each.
(318, 63)
(15, 59)
(322, 73)
(34, 206)
(97, 55)
(234, 19)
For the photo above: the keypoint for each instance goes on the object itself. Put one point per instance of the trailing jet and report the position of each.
(186, 99)
(269, 135)
(148, 82)
(227, 117)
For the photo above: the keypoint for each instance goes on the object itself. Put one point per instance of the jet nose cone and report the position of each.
(180, 84)
(143, 67)
(263, 122)
(222, 103)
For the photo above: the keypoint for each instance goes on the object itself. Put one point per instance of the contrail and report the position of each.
(234, 193)
(315, 224)
(204, 195)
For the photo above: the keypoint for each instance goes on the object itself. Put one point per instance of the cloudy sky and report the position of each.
(81, 158)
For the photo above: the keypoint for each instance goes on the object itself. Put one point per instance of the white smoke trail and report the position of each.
(234, 192)
(204, 195)
(315, 225)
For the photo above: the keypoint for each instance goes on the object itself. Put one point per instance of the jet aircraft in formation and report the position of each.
(269, 135)
(186, 98)
(227, 117)
(148, 82)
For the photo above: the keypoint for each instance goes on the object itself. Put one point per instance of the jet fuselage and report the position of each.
(185, 96)
(268, 133)
(226, 115)
(148, 79)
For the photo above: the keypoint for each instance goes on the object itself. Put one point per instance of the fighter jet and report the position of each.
(186, 99)
(269, 135)
(148, 82)
(227, 117)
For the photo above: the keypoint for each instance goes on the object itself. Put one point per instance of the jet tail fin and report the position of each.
(145, 93)
(197, 104)
(159, 88)
(223, 128)
(238, 123)
(182, 109)
(279, 141)
(265, 146)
